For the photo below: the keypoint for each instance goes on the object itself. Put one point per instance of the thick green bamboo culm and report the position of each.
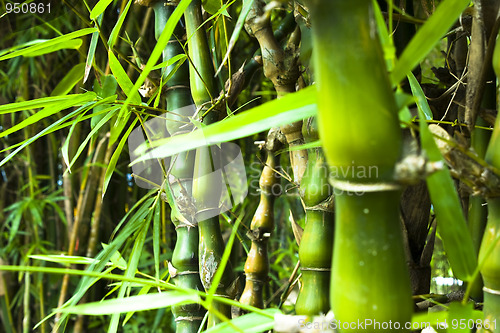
(184, 265)
(316, 245)
(257, 263)
(206, 188)
(489, 254)
(359, 129)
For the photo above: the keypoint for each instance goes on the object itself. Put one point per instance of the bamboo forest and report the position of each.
(249, 166)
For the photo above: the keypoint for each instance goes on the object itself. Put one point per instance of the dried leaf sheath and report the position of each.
(257, 263)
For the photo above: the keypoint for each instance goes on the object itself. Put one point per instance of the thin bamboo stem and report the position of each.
(257, 263)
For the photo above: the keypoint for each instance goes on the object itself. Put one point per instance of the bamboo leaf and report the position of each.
(48, 111)
(155, 54)
(114, 158)
(46, 130)
(118, 26)
(92, 133)
(290, 108)
(249, 323)
(130, 273)
(133, 303)
(35, 103)
(462, 313)
(156, 240)
(247, 5)
(69, 81)
(417, 91)
(427, 37)
(63, 259)
(42, 44)
(92, 48)
(451, 222)
(70, 44)
(123, 79)
(99, 8)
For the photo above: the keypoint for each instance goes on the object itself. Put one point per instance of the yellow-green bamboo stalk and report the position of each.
(257, 263)
(361, 137)
(489, 255)
(206, 186)
(316, 245)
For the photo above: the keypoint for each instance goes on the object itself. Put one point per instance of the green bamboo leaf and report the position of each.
(118, 26)
(63, 259)
(99, 8)
(249, 323)
(42, 44)
(417, 91)
(290, 108)
(133, 303)
(46, 130)
(155, 54)
(107, 89)
(114, 158)
(123, 79)
(69, 80)
(156, 240)
(133, 262)
(35, 103)
(135, 217)
(70, 44)
(48, 111)
(240, 23)
(94, 130)
(92, 48)
(462, 317)
(427, 37)
(171, 61)
(444, 197)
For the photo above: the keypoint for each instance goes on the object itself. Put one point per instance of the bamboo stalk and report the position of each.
(257, 263)
(206, 182)
(489, 254)
(184, 266)
(361, 137)
(281, 67)
(316, 245)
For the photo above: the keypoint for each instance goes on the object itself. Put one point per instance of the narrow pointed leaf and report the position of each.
(290, 108)
(427, 37)
(444, 197)
(61, 40)
(99, 8)
(48, 111)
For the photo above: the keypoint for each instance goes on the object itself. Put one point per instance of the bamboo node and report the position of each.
(316, 269)
(491, 291)
(188, 318)
(349, 186)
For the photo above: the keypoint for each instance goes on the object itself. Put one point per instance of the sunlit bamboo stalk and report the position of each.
(359, 129)
(206, 185)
